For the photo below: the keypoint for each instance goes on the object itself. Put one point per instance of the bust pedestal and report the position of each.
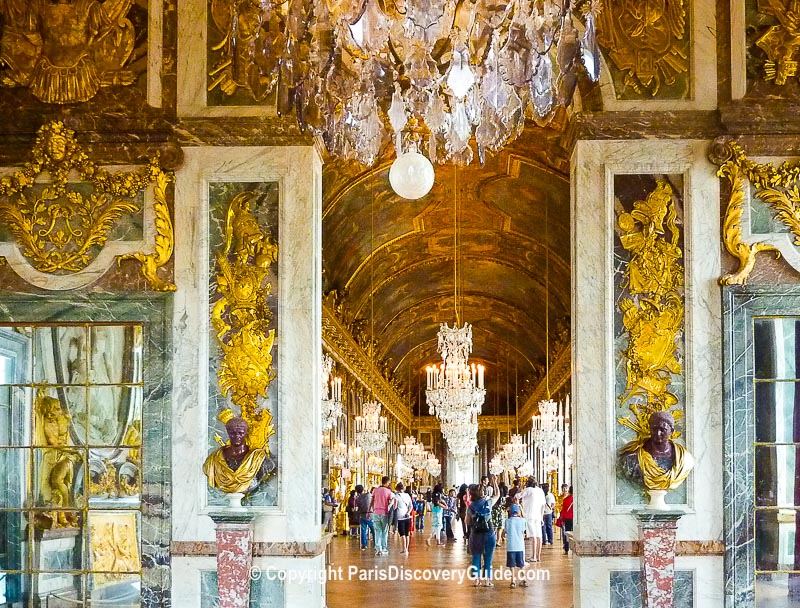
(657, 533)
(234, 556)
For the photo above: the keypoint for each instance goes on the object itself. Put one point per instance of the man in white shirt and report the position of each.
(533, 504)
(488, 491)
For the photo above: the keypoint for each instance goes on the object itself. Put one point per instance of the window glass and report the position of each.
(70, 464)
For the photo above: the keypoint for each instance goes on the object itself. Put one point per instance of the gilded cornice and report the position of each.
(485, 423)
(343, 347)
(560, 372)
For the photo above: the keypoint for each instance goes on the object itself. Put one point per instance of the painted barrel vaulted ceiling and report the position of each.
(392, 260)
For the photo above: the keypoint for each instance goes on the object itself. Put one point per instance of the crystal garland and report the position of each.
(459, 69)
(371, 427)
(331, 394)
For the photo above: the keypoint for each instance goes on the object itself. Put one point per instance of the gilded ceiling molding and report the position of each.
(780, 42)
(646, 40)
(777, 186)
(342, 346)
(60, 229)
(485, 423)
(63, 52)
(241, 318)
(652, 308)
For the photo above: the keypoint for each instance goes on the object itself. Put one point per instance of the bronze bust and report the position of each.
(657, 461)
(235, 467)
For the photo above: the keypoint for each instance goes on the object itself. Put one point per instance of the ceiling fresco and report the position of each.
(391, 261)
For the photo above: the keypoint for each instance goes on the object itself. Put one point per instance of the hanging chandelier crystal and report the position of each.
(455, 388)
(433, 466)
(402, 470)
(354, 454)
(338, 456)
(516, 451)
(548, 427)
(413, 453)
(331, 394)
(326, 446)
(357, 71)
(375, 465)
(371, 429)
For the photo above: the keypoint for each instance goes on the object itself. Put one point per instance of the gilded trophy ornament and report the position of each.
(241, 318)
(777, 186)
(65, 50)
(652, 316)
(59, 228)
(645, 40)
(780, 42)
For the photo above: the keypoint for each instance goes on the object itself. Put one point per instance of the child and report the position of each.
(515, 544)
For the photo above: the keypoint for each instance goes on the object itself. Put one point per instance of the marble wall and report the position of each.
(604, 517)
(284, 521)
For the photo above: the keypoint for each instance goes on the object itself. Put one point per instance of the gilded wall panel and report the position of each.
(232, 232)
(649, 304)
(773, 43)
(646, 45)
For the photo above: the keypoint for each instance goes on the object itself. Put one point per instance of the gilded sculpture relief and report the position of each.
(241, 319)
(776, 186)
(647, 43)
(59, 226)
(779, 42)
(65, 50)
(652, 319)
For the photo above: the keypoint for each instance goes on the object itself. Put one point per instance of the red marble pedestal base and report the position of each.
(657, 532)
(234, 558)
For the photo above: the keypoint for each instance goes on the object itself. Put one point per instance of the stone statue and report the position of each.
(657, 461)
(235, 467)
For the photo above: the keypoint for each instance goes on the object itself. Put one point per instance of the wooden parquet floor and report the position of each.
(365, 577)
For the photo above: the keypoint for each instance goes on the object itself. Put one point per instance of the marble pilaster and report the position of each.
(234, 557)
(657, 531)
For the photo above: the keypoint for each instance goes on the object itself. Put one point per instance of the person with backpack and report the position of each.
(482, 539)
(404, 512)
(363, 500)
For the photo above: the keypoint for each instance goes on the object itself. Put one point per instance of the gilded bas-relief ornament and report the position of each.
(241, 319)
(59, 228)
(65, 50)
(114, 543)
(776, 186)
(647, 41)
(780, 42)
(652, 316)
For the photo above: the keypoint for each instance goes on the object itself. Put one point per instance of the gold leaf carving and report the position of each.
(65, 51)
(780, 42)
(645, 40)
(732, 229)
(59, 228)
(241, 317)
(777, 186)
(653, 312)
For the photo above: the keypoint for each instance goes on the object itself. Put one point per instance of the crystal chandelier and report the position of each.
(338, 456)
(354, 457)
(432, 466)
(375, 465)
(439, 71)
(371, 433)
(326, 446)
(402, 470)
(331, 394)
(413, 453)
(548, 427)
(455, 387)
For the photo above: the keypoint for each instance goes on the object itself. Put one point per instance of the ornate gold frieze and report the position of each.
(63, 52)
(645, 40)
(59, 227)
(241, 317)
(777, 186)
(780, 42)
(652, 309)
